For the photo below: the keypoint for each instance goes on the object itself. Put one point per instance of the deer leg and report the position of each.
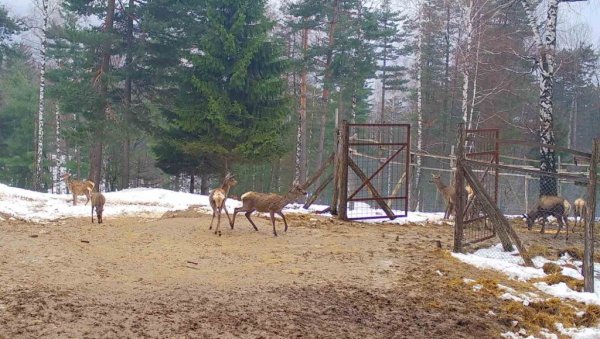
(543, 230)
(272, 214)
(87, 195)
(74, 199)
(284, 221)
(235, 212)
(211, 221)
(227, 214)
(248, 217)
(217, 229)
(92, 214)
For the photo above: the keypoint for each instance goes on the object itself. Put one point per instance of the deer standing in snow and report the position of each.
(79, 187)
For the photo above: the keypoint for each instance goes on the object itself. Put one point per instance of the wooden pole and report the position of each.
(588, 255)
(459, 185)
(342, 173)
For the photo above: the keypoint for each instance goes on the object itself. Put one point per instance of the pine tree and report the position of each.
(231, 105)
(18, 90)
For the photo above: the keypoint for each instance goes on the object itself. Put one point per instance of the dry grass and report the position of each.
(540, 250)
(551, 268)
(556, 278)
(591, 316)
(543, 314)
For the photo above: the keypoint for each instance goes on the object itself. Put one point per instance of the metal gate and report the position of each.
(374, 171)
(481, 145)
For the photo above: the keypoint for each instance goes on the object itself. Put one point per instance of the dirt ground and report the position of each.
(133, 277)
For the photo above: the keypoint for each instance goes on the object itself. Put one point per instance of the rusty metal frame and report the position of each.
(471, 134)
(402, 146)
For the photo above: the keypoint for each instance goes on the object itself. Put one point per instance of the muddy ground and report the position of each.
(133, 277)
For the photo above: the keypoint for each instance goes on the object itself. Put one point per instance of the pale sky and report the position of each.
(570, 13)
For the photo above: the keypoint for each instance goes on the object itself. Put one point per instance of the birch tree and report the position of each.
(546, 66)
(419, 57)
(41, 105)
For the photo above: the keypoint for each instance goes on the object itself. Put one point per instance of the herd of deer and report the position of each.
(555, 206)
(251, 201)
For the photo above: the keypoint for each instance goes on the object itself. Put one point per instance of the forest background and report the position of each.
(172, 94)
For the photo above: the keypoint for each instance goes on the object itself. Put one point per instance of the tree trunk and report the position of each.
(419, 111)
(127, 96)
(192, 182)
(204, 184)
(60, 158)
(446, 110)
(301, 156)
(98, 135)
(37, 182)
(546, 50)
(327, 82)
(468, 24)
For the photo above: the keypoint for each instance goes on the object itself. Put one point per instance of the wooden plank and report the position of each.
(588, 255)
(318, 191)
(538, 173)
(380, 201)
(319, 172)
(342, 173)
(530, 143)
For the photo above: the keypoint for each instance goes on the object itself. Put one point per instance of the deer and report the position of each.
(580, 211)
(268, 202)
(447, 191)
(79, 187)
(549, 205)
(98, 201)
(449, 194)
(217, 198)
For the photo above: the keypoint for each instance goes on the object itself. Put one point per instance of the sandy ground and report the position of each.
(132, 277)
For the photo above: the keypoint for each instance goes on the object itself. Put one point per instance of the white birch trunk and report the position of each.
(40, 123)
(419, 112)
(474, 86)
(468, 24)
(546, 64)
(60, 157)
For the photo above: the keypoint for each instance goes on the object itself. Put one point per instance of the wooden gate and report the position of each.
(374, 171)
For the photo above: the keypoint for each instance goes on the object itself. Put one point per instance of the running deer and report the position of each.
(217, 198)
(580, 211)
(550, 205)
(78, 187)
(98, 201)
(268, 202)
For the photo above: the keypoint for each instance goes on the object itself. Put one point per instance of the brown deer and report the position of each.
(550, 205)
(268, 202)
(217, 198)
(447, 191)
(79, 187)
(580, 211)
(98, 201)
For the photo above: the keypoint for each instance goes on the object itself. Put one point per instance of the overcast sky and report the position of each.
(570, 14)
